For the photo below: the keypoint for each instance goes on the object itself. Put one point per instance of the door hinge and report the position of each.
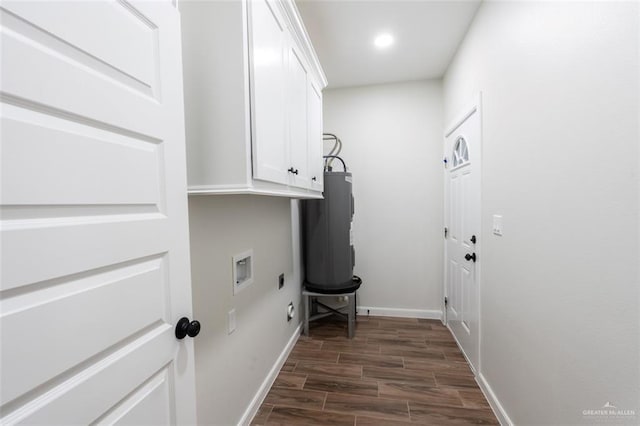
(446, 231)
(446, 302)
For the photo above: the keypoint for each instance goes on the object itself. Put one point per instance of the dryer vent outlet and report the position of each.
(291, 311)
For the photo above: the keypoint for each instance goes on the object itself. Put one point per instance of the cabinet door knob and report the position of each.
(314, 178)
(292, 170)
(471, 256)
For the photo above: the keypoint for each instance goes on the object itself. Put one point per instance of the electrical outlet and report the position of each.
(280, 281)
(231, 321)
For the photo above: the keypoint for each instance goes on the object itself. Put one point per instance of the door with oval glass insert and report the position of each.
(462, 220)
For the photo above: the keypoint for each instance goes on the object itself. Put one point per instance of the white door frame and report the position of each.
(475, 106)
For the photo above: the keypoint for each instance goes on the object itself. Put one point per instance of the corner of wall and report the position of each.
(398, 216)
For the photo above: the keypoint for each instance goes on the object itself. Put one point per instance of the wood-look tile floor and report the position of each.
(395, 371)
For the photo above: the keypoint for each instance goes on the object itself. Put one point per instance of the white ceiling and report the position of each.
(427, 34)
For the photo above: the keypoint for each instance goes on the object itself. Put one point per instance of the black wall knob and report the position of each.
(184, 327)
(471, 256)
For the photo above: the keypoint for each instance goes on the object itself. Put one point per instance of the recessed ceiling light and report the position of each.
(383, 41)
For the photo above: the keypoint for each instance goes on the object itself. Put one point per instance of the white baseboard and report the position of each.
(253, 407)
(402, 313)
(497, 408)
(464, 354)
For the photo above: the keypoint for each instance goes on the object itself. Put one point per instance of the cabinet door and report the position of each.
(268, 77)
(297, 118)
(314, 127)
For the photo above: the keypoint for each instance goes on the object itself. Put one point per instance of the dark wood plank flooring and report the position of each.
(395, 371)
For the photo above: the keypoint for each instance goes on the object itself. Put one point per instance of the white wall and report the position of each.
(231, 368)
(392, 137)
(560, 299)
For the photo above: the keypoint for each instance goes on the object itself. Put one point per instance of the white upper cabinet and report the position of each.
(268, 60)
(314, 129)
(298, 120)
(253, 99)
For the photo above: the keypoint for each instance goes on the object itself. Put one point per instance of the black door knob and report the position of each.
(187, 328)
(292, 170)
(471, 256)
(473, 239)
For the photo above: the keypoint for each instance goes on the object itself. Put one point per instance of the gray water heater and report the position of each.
(328, 250)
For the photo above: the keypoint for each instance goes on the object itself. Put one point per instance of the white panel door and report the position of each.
(462, 220)
(95, 262)
(314, 120)
(268, 79)
(298, 119)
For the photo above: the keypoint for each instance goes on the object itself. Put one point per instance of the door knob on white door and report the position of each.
(471, 256)
(184, 327)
